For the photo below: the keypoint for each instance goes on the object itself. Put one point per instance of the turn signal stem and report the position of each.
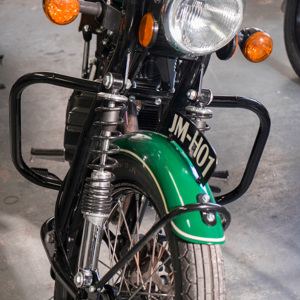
(91, 8)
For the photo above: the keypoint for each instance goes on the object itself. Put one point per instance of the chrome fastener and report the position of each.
(157, 101)
(210, 217)
(131, 98)
(191, 95)
(205, 198)
(108, 80)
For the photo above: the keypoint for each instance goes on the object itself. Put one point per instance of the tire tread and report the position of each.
(202, 272)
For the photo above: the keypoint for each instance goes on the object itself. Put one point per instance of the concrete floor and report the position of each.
(262, 252)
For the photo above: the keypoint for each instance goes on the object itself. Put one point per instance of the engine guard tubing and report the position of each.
(208, 207)
(15, 118)
(259, 144)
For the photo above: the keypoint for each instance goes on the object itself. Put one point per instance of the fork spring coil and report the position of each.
(96, 197)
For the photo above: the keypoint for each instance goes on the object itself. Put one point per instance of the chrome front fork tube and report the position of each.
(89, 251)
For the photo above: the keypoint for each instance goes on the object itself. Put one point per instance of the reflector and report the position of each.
(61, 12)
(146, 30)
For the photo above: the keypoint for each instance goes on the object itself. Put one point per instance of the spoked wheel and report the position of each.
(166, 267)
(292, 33)
(150, 274)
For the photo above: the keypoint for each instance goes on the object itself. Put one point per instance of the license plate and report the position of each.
(202, 155)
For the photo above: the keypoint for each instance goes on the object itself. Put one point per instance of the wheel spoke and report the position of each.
(152, 263)
(147, 262)
(117, 230)
(131, 245)
(143, 285)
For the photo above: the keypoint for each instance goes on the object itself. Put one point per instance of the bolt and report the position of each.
(92, 289)
(109, 33)
(78, 279)
(205, 198)
(50, 237)
(158, 101)
(131, 98)
(108, 80)
(104, 42)
(105, 80)
(156, 1)
(128, 84)
(191, 95)
(83, 278)
(211, 217)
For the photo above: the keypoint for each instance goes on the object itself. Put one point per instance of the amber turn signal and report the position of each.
(258, 47)
(61, 12)
(146, 30)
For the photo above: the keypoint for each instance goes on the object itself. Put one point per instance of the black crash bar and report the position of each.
(259, 144)
(61, 270)
(15, 118)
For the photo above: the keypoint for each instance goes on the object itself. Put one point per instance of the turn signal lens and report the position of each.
(258, 47)
(61, 12)
(146, 30)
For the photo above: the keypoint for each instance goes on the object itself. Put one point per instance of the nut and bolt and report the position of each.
(157, 101)
(108, 80)
(92, 289)
(205, 198)
(131, 98)
(78, 279)
(109, 33)
(191, 95)
(210, 217)
(83, 278)
(50, 237)
(128, 84)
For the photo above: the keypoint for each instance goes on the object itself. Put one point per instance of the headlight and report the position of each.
(201, 27)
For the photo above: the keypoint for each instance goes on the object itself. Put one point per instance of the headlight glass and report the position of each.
(201, 27)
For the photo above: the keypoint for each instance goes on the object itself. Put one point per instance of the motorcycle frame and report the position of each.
(59, 261)
(68, 217)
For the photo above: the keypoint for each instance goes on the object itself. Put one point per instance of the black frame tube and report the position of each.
(58, 264)
(259, 144)
(15, 118)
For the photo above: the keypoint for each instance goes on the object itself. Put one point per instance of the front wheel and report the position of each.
(292, 33)
(166, 267)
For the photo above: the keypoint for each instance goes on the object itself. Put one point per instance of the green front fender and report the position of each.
(175, 177)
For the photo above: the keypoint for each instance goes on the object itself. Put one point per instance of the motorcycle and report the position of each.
(291, 9)
(135, 216)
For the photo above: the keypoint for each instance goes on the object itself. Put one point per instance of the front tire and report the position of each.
(292, 33)
(167, 267)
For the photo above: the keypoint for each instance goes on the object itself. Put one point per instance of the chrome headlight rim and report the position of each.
(169, 31)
